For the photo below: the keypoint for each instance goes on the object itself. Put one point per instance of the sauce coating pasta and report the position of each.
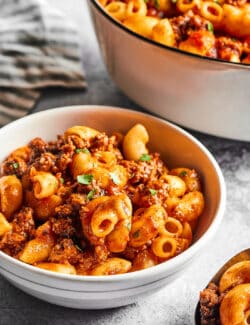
(92, 204)
(214, 28)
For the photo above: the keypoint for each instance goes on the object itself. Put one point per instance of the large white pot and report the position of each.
(200, 93)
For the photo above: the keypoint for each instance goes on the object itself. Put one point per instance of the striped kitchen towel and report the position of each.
(39, 47)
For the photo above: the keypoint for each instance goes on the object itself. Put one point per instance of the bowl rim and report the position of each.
(169, 266)
(234, 65)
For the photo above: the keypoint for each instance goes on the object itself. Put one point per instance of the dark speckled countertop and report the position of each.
(175, 304)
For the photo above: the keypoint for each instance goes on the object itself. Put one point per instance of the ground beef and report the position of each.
(65, 251)
(209, 305)
(102, 253)
(23, 229)
(228, 48)
(37, 146)
(65, 211)
(63, 227)
(186, 24)
(77, 142)
(23, 223)
(14, 166)
(86, 262)
(55, 146)
(130, 252)
(76, 200)
(12, 243)
(154, 192)
(64, 161)
(46, 162)
(144, 171)
(104, 143)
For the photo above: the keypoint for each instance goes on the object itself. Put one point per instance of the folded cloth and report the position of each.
(39, 47)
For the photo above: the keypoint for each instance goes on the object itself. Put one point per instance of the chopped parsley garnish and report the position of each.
(210, 27)
(114, 178)
(85, 150)
(145, 157)
(153, 191)
(61, 180)
(183, 173)
(15, 165)
(91, 194)
(156, 3)
(136, 234)
(129, 226)
(85, 179)
(78, 247)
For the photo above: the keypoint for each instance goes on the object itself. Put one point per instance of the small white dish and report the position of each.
(177, 147)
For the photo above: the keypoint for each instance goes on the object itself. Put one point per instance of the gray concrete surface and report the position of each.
(174, 304)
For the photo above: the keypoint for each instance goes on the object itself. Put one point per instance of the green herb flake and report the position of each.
(114, 178)
(156, 4)
(145, 157)
(129, 226)
(85, 179)
(183, 173)
(85, 150)
(62, 180)
(146, 1)
(210, 27)
(91, 194)
(15, 165)
(136, 234)
(153, 191)
(78, 248)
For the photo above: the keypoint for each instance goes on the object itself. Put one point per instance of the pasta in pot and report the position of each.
(92, 204)
(208, 28)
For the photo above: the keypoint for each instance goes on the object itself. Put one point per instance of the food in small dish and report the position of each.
(176, 147)
(92, 204)
(216, 29)
(228, 302)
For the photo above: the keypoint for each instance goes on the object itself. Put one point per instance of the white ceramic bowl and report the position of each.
(203, 94)
(177, 147)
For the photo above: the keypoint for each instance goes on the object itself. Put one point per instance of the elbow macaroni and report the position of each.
(183, 5)
(95, 211)
(11, 195)
(163, 33)
(236, 21)
(44, 184)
